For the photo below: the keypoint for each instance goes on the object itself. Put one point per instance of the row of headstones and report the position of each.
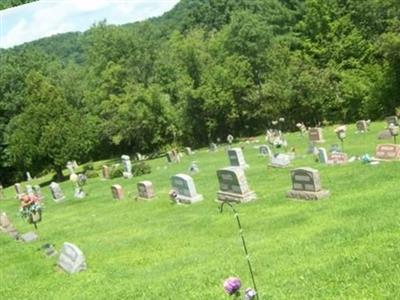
(233, 187)
(71, 258)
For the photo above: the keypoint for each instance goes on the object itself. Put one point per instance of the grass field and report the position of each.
(345, 247)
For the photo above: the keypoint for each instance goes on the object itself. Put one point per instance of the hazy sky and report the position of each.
(47, 17)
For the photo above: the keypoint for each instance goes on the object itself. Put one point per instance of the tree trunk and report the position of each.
(59, 174)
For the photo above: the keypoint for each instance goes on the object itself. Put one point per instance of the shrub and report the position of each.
(91, 174)
(141, 169)
(116, 171)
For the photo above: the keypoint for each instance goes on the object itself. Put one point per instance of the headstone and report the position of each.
(362, 126)
(280, 161)
(213, 147)
(233, 186)
(71, 259)
(338, 158)
(236, 158)
(188, 151)
(56, 192)
(29, 189)
(126, 162)
(145, 189)
(306, 184)
(117, 192)
(29, 237)
(28, 176)
(322, 156)
(193, 168)
(392, 120)
(173, 156)
(79, 192)
(71, 167)
(105, 172)
(388, 151)
(315, 135)
(7, 227)
(139, 156)
(38, 192)
(230, 139)
(264, 150)
(18, 190)
(312, 149)
(385, 135)
(185, 189)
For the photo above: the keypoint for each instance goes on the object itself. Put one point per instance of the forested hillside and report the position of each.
(203, 70)
(4, 4)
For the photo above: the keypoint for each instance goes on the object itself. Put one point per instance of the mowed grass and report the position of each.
(345, 247)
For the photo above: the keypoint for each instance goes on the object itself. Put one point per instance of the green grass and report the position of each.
(345, 247)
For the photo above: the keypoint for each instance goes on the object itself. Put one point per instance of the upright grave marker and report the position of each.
(315, 135)
(145, 189)
(264, 150)
(392, 120)
(233, 186)
(185, 189)
(306, 184)
(7, 227)
(71, 259)
(388, 151)
(117, 192)
(105, 171)
(56, 192)
(362, 126)
(236, 158)
(18, 190)
(126, 162)
(188, 151)
(38, 192)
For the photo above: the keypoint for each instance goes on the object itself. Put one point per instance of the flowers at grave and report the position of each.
(250, 294)
(31, 209)
(172, 195)
(232, 286)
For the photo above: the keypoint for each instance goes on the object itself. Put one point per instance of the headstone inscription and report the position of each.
(236, 158)
(145, 189)
(56, 192)
(117, 192)
(388, 151)
(233, 186)
(306, 184)
(71, 259)
(185, 189)
(315, 135)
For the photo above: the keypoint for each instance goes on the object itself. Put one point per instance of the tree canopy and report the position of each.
(200, 71)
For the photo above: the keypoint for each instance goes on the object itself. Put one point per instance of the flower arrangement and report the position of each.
(31, 209)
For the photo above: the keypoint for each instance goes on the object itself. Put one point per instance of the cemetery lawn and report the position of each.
(344, 247)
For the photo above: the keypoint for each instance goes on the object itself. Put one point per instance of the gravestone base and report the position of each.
(281, 166)
(59, 200)
(127, 175)
(238, 198)
(188, 200)
(29, 237)
(305, 195)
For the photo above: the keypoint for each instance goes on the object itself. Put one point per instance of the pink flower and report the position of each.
(232, 285)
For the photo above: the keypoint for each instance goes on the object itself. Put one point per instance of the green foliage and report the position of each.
(116, 171)
(4, 4)
(201, 71)
(141, 168)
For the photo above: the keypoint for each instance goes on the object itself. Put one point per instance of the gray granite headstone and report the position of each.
(233, 186)
(264, 150)
(145, 189)
(185, 189)
(56, 192)
(126, 162)
(280, 160)
(7, 227)
(306, 184)
(322, 155)
(71, 259)
(29, 237)
(236, 158)
(315, 135)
